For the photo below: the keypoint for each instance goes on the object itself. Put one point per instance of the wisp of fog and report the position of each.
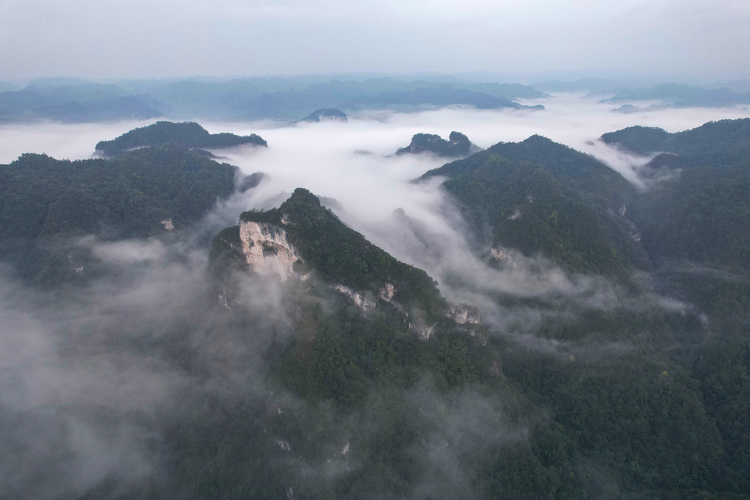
(60, 386)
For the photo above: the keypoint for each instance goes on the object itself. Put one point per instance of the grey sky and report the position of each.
(706, 39)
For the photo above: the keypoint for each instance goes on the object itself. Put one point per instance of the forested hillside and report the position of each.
(45, 204)
(291, 357)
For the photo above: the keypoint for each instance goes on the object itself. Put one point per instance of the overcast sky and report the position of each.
(670, 39)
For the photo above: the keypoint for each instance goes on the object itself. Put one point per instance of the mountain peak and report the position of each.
(301, 234)
(456, 146)
(187, 134)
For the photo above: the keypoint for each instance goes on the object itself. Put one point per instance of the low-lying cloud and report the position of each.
(86, 381)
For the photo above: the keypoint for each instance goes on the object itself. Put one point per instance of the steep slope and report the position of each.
(46, 203)
(302, 234)
(623, 417)
(372, 337)
(187, 134)
(716, 142)
(695, 226)
(457, 145)
(541, 197)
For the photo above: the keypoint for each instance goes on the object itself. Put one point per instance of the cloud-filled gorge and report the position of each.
(142, 383)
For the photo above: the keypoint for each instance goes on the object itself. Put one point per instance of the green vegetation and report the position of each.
(45, 203)
(457, 145)
(544, 198)
(713, 143)
(188, 135)
(341, 255)
(652, 401)
(291, 387)
(412, 414)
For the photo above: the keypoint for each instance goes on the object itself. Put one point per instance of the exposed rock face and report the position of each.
(267, 250)
(387, 292)
(463, 315)
(517, 214)
(457, 145)
(423, 332)
(360, 300)
(168, 224)
(501, 254)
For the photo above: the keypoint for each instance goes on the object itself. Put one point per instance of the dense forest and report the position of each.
(47, 204)
(187, 135)
(357, 377)
(457, 145)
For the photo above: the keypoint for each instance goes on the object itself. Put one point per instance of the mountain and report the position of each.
(47, 204)
(712, 141)
(7, 86)
(507, 90)
(302, 232)
(541, 197)
(456, 146)
(351, 348)
(695, 227)
(288, 356)
(689, 232)
(699, 215)
(592, 85)
(325, 114)
(284, 99)
(677, 95)
(431, 97)
(369, 334)
(187, 134)
(75, 104)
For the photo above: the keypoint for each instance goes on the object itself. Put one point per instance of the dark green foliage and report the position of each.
(627, 398)
(572, 168)
(226, 255)
(713, 142)
(565, 205)
(368, 380)
(341, 255)
(45, 202)
(638, 139)
(457, 145)
(638, 414)
(724, 373)
(696, 229)
(702, 216)
(187, 134)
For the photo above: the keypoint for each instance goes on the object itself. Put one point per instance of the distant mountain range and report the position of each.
(75, 100)
(326, 115)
